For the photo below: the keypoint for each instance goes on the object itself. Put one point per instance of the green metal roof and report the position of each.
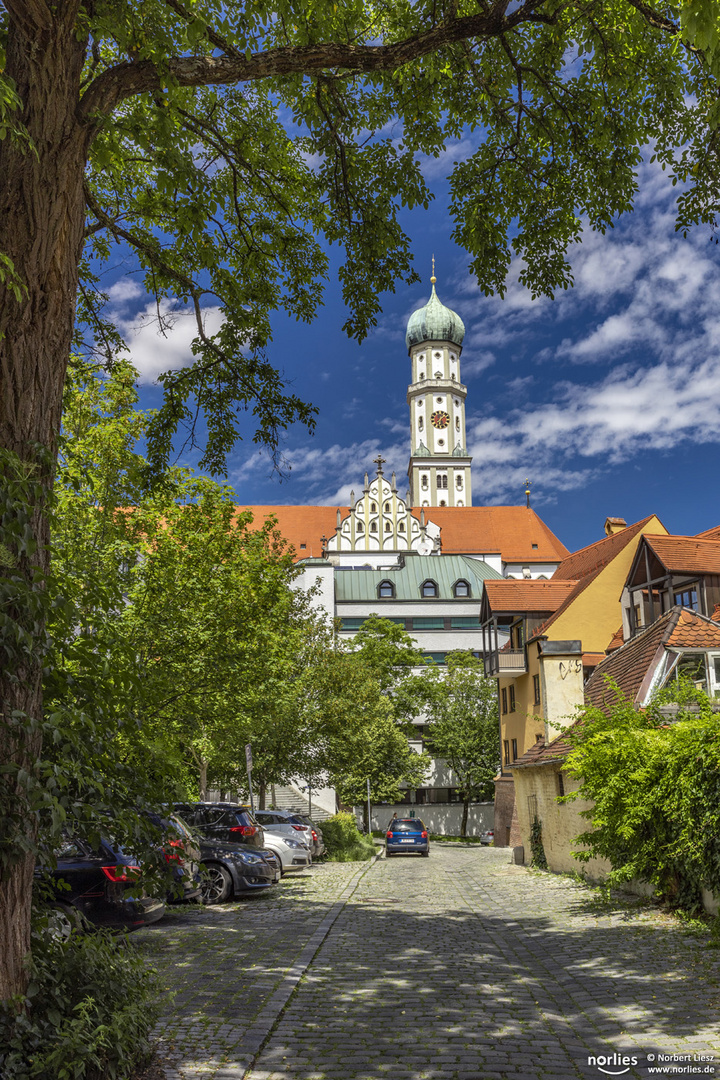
(434, 322)
(444, 570)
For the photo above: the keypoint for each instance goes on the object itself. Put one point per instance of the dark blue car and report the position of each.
(406, 835)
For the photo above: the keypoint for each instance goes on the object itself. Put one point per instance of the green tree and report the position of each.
(370, 715)
(226, 146)
(654, 789)
(461, 712)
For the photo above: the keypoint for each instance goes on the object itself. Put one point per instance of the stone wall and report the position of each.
(507, 830)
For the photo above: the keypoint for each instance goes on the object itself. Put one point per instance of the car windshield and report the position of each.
(405, 825)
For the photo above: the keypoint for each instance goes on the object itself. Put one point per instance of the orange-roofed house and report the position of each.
(542, 640)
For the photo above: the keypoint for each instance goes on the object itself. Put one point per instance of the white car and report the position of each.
(293, 854)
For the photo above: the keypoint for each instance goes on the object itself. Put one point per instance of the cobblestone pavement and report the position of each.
(457, 967)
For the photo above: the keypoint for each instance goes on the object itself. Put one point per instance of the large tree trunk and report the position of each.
(41, 230)
(203, 780)
(463, 824)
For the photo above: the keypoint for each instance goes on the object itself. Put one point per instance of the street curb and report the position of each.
(258, 1034)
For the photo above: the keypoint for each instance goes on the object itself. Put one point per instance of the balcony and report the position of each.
(504, 663)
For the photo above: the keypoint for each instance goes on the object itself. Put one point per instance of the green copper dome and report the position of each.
(434, 322)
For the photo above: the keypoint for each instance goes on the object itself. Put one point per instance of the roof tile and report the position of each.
(510, 595)
(686, 554)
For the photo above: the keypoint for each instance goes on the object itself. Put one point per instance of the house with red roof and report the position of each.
(541, 641)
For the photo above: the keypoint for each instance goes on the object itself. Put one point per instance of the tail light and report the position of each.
(244, 830)
(121, 873)
(175, 855)
(388, 835)
(315, 836)
(423, 835)
(299, 828)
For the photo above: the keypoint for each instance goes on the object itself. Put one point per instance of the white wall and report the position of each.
(442, 818)
(323, 577)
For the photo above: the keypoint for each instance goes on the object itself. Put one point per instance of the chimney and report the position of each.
(614, 525)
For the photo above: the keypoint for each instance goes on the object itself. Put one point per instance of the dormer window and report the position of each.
(386, 590)
(428, 588)
(462, 589)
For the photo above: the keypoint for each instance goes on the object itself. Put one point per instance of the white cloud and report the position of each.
(156, 348)
(123, 290)
(434, 168)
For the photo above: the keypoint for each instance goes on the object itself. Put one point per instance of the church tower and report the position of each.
(439, 469)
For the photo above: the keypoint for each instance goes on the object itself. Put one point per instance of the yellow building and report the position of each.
(542, 640)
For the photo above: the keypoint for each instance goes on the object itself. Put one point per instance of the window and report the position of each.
(386, 590)
(534, 547)
(388, 527)
(420, 423)
(506, 751)
(687, 597)
(560, 784)
(538, 736)
(465, 622)
(351, 624)
(504, 699)
(428, 588)
(424, 483)
(514, 750)
(387, 508)
(691, 665)
(303, 547)
(536, 689)
(462, 588)
(360, 527)
(457, 423)
(428, 624)
(442, 481)
(435, 657)
(373, 526)
(458, 481)
(401, 527)
(512, 698)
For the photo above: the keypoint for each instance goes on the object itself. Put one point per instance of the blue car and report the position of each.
(405, 835)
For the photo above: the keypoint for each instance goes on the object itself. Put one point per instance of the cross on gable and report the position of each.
(379, 461)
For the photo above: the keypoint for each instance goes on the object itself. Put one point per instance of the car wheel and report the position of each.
(388, 854)
(426, 854)
(217, 884)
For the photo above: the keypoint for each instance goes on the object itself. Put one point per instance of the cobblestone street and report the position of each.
(460, 966)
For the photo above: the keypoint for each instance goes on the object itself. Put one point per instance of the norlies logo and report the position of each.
(602, 1061)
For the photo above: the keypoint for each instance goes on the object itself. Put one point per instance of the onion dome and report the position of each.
(434, 322)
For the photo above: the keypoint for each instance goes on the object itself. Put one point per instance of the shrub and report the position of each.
(88, 1013)
(343, 841)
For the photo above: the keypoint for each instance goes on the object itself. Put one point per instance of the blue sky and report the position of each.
(608, 397)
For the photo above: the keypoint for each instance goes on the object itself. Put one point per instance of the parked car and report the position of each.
(293, 854)
(318, 841)
(233, 822)
(230, 870)
(105, 888)
(289, 824)
(182, 854)
(406, 835)
(487, 837)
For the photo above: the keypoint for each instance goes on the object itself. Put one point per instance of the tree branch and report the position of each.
(127, 79)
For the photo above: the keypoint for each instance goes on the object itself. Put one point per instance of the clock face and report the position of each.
(440, 419)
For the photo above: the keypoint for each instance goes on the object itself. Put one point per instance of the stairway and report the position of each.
(289, 798)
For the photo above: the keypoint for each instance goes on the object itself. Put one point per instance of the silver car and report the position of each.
(293, 854)
(288, 824)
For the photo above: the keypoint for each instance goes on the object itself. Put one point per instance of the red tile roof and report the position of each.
(540, 754)
(514, 531)
(710, 534)
(520, 596)
(686, 554)
(592, 559)
(302, 526)
(632, 665)
(587, 563)
(616, 641)
(510, 531)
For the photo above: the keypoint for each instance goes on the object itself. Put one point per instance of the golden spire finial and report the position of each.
(433, 279)
(527, 492)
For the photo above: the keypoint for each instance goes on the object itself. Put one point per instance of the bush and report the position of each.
(90, 1007)
(343, 841)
